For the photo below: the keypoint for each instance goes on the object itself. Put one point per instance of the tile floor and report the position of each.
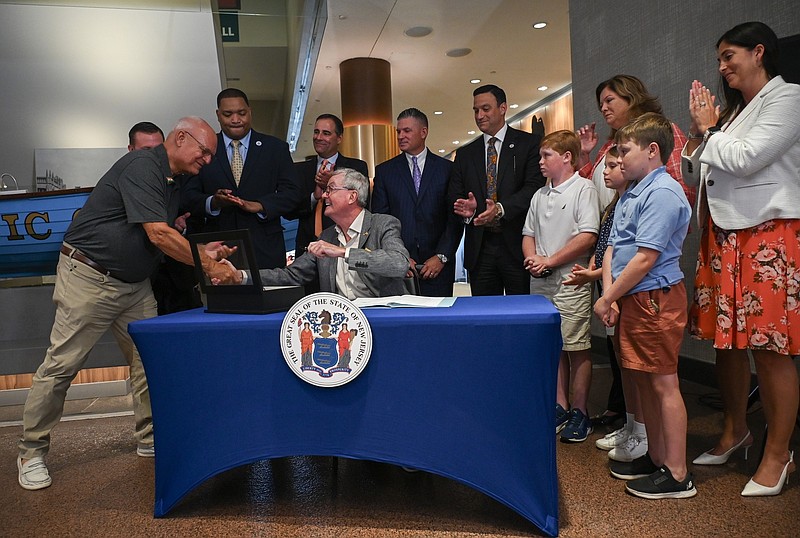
(101, 488)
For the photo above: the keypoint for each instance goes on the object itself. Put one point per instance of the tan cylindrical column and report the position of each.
(366, 88)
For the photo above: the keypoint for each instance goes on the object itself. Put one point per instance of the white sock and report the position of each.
(639, 429)
(629, 420)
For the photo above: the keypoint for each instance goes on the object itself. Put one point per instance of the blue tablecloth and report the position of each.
(465, 392)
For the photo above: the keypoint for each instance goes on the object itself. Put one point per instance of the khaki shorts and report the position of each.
(574, 304)
(650, 329)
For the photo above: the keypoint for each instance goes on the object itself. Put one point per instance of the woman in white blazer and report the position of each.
(745, 156)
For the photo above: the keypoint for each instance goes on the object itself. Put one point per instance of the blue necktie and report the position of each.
(416, 175)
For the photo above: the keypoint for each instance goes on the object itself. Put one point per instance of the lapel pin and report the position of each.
(258, 142)
(510, 146)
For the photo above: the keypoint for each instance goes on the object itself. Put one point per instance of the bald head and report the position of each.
(190, 145)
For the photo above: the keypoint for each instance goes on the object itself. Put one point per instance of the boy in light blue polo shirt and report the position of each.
(646, 299)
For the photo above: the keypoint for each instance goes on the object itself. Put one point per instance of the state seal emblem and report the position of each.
(326, 340)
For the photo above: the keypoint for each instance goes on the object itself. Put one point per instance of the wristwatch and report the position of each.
(442, 258)
(711, 131)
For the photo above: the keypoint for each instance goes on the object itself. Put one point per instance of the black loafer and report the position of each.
(607, 420)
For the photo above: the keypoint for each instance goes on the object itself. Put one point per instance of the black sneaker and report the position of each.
(661, 485)
(578, 427)
(631, 470)
(562, 416)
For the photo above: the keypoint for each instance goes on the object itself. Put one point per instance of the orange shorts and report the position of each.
(650, 329)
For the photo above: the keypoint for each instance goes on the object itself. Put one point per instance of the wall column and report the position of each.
(366, 88)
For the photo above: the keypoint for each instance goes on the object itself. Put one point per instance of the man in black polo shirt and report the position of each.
(110, 250)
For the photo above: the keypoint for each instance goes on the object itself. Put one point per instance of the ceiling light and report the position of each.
(539, 25)
(513, 106)
(456, 142)
(458, 53)
(418, 31)
(542, 88)
(441, 151)
(475, 81)
(470, 132)
(438, 112)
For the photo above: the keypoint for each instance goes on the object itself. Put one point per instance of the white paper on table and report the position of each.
(405, 301)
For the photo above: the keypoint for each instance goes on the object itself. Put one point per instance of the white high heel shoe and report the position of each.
(754, 489)
(707, 458)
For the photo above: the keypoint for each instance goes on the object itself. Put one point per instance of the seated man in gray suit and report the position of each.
(362, 255)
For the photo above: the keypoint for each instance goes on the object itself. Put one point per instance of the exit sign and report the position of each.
(229, 26)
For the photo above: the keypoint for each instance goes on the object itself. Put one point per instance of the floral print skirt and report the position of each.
(747, 287)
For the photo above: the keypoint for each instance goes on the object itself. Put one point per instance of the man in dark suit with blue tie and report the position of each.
(250, 183)
(491, 186)
(413, 188)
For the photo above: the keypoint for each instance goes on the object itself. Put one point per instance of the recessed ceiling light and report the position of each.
(458, 53)
(438, 112)
(470, 132)
(441, 151)
(539, 25)
(456, 142)
(475, 81)
(513, 106)
(542, 88)
(342, 17)
(418, 31)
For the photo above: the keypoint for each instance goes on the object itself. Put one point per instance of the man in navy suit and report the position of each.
(314, 173)
(250, 183)
(491, 186)
(413, 188)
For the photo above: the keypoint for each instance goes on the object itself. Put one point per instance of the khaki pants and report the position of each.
(87, 305)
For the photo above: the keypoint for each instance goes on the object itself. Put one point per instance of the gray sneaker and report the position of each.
(146, 451)
(633, 448)
(33, 474)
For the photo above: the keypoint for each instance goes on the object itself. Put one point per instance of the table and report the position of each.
(466, 392)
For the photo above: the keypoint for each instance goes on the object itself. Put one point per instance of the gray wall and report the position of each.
(79, 77)
(667, 44)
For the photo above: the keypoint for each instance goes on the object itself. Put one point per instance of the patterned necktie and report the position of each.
(236, 161)
(416, 175)
(318, 211)
(491, 169)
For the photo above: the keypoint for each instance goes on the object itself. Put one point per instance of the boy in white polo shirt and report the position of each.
(560, 231)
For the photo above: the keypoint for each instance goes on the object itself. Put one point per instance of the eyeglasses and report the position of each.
(328, 190)
(206, 152)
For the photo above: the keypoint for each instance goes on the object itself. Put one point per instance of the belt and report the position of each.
(76, 254)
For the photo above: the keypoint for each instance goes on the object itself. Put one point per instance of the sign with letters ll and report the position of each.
(229, 26)
(326, 340)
